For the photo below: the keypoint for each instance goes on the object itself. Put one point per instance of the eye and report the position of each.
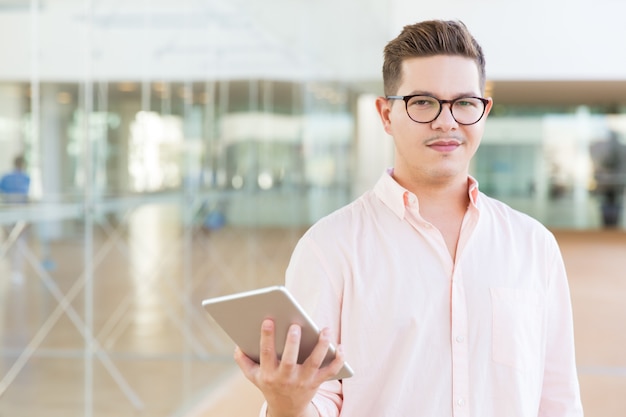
(423, 101)
(467, 102)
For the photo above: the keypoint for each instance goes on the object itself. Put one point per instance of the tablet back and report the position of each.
(240, 316)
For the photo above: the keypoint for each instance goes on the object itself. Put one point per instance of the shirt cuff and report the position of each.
(263, 412)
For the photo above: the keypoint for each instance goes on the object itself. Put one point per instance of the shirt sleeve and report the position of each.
(319, 291)
(561, 393)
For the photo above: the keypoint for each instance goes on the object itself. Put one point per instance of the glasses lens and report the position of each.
(468, 110)
(423, 109)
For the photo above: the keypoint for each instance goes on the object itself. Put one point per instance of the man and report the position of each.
(14, 187)
(15, 184)
(444, 301)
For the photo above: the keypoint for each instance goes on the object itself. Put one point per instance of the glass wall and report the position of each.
(564, 166)
(176, 151)
(138, 211)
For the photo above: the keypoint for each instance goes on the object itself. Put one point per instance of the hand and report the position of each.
(289, 387)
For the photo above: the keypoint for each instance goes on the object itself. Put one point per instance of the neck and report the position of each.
(443, 204)
(447, 192)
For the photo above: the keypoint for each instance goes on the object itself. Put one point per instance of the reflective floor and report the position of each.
(132, 340)
(115, 328)
(596, 263)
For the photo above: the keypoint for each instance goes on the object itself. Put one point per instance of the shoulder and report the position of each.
(503, 215)
(523, 235)
(348, 219)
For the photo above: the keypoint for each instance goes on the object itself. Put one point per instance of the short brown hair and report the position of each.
(429, 38)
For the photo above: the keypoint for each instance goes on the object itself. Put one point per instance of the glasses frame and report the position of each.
(441, 103)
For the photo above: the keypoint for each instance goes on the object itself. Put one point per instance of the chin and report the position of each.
(446, 175)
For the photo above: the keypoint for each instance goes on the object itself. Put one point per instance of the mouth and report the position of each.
(444, 145)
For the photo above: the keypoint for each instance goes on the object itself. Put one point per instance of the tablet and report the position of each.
(240, 315)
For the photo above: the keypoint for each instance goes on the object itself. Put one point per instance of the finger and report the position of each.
(316, 358)
(291, 350)
(319, 353)
(334, 367)
(267, 354)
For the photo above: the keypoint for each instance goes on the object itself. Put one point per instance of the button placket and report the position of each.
(460, 349)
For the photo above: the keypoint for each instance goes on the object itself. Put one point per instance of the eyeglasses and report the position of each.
(425, 109)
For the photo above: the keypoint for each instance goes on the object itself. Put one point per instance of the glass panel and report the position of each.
(553, 166)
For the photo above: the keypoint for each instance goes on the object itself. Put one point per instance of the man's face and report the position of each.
(441, 150)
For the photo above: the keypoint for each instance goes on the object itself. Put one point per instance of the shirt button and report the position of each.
(460, 402)
(460, 339)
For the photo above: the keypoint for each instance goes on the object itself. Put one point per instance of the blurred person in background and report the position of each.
(14, 188)
(444, 301)
(609, 160)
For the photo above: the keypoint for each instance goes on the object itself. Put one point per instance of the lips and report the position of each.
(444, 145)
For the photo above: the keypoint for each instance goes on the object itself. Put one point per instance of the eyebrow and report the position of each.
(428, 93)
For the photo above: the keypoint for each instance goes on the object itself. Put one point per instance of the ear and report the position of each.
(488, 107)
(383, 107)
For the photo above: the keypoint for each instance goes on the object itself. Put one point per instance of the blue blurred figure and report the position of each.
(14, 188)
(14, 185)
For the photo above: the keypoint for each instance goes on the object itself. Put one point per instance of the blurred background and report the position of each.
(176, 150)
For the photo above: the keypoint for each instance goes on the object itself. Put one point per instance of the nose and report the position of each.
(445, 121)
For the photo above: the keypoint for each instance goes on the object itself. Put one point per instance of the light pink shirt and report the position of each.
(488, 334)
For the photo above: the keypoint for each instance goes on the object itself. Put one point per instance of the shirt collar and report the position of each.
(398, 198)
